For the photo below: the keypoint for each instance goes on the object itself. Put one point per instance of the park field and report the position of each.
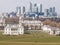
(30, 38)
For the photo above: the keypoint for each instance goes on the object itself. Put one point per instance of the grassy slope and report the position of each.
(32, 37)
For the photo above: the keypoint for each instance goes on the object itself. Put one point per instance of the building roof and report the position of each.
(12, 20)
(12, 26)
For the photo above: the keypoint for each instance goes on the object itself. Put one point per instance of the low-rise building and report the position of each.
(51, 30)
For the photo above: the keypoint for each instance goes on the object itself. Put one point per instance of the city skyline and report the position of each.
(12, 4)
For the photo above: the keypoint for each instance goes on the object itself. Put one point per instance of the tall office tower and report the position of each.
(47, 12)
(18, 11)
(35, 5)
(41, 13)
(30, 7)
(50, 9)
(35, 8)
(54, 12)
(53, 9)
(23, 9)
(40, 8)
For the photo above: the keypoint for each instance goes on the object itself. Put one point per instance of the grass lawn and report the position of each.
(34, 38)
(33, 43)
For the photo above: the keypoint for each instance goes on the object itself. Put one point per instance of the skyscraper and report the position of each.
(30, 7)
(54, 12)
(23, 9)
(40, 8)
(41, 13)
(35, 8)
(35, 5)
(47, 12)
(50, 9)
(53, 9)
(18, 10)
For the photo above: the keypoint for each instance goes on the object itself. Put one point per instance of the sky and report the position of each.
(10, 5)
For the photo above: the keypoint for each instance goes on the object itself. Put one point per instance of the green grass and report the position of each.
(33, 36)
(25, 44)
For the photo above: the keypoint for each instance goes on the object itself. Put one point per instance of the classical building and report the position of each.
(13, 29)
(17, 25)
(13, 26)
(32, 24)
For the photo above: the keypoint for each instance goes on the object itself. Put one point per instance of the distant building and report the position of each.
(40, 8)
(31, 14)
(37, 10)
(51, 9)
(34, 9)
(54, 12)
(12, 14)
(18, 11)
(41, 13)
(30, 7)
(51, 12)
(23, 9)
(47, 12)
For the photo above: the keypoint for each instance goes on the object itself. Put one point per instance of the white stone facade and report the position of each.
(46, 28)
(51, 30)
(13, 30)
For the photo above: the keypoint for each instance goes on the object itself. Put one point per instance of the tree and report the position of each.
(47, 22)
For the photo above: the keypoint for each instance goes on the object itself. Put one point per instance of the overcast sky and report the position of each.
(10, 5)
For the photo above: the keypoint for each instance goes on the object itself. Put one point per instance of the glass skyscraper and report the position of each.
(35, 8)
(50, 9)
(18, 10)
(47, 12)
(54, 13)
(30, 7)
(40, 8)
(53, 9)
(23, 9)
(41, 13)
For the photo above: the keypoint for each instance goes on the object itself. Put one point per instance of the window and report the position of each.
(21, 32)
